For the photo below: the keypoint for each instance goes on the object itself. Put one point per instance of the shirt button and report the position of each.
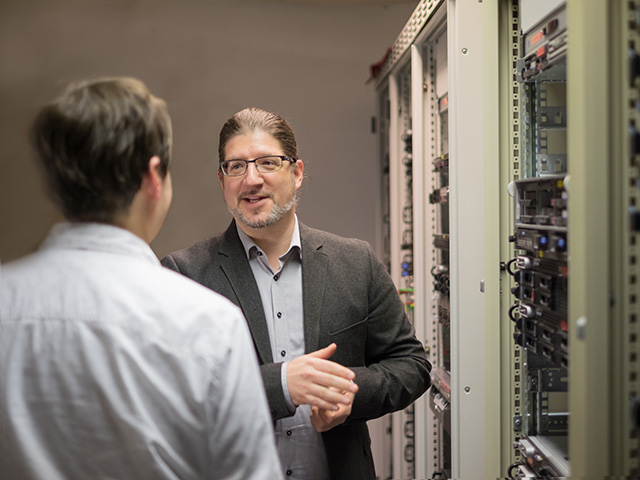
(259, 254)
(283, 353)
(276, 277)
(279, 314)
(289, 472)
(289, 432)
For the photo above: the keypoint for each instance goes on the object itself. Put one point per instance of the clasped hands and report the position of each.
(326, 386)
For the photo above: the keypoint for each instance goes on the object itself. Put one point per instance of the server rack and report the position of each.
(429, 61)
(567, 239)
(539, 267)
(524, 187)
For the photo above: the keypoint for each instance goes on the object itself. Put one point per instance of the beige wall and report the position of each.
(208, 59)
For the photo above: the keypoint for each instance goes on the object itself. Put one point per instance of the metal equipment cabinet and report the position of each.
(510, 150)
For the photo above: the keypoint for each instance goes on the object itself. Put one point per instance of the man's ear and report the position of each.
(152, 181)
(299, 173)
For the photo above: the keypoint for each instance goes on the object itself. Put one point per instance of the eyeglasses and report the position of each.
(267, 164)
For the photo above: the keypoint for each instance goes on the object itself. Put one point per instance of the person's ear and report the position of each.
(299, 173)
(154, 178)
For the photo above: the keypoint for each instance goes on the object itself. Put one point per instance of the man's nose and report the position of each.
(253, 175)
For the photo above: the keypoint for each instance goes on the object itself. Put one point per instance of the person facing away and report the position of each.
(334, 343)
(110, 365)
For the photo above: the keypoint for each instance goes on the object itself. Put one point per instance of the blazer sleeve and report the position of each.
(396, 370)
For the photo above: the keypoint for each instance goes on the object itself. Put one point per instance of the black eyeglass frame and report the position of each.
(283, 158)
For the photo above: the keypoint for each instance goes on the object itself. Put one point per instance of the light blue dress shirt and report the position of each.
(299, 446)
(112, 366)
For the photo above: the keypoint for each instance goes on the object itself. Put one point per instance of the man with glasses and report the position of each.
(110, 365)
(333, 341)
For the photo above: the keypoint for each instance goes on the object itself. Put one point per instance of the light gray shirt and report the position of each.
(114, 367)
(299, 446)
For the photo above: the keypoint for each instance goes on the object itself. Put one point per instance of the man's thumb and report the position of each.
(325, 352)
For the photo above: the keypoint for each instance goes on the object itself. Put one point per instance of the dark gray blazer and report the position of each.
(349, 299)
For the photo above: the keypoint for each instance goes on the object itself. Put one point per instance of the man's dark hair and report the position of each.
(95, 143)
(252, 120)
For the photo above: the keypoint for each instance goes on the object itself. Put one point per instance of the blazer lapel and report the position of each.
(314, 268)
(234, 264)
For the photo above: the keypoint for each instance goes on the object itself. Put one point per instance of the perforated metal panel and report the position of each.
(627, 236)
(412, 28)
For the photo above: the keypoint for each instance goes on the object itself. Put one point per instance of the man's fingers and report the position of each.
(328, 398)
(325, 399)
(322, 404)
(319, 361)
(323, 419)
(341, 380)
(314, 380)
(333, 369)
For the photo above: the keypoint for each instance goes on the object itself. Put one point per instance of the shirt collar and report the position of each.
(249, 244)
(99, 237)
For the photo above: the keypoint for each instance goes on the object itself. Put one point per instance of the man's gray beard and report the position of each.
(277, 213)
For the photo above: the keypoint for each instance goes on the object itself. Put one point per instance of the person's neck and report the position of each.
(134, 226)
(138, 219)
(275, 239)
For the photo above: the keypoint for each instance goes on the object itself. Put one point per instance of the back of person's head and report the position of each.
(95, 143)
(251, 120)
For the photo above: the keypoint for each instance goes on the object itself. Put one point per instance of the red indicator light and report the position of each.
(537, 37)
